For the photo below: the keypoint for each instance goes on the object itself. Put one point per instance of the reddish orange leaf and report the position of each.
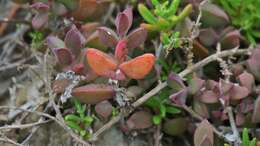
(100, 63)
(93, 93)
(138, 67)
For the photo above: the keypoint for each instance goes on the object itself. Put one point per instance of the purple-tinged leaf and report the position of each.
(54, 42)
(201, 109)
(179, 97)
(208, 97)
(212, 85)
(256, 113)
(231, 40)
(175, 82)
(93, 93)
(129, 13)
(237, 92)
(104, 109)
(122, 24)
(205, 39)
(74, 40)
(254, 64)
(204, 132)
(213, 16)
(237, 69)
(247, 80)
(59, 9)
(176, 126)
(40, 20)
(64, 56)
(140, 120)
(136, 38)
(195, 85)
(107, 36)
(224, 86)
(40, 5)
(246, 106)
(240, 119)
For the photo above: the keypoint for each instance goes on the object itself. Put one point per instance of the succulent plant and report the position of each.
(117, 67)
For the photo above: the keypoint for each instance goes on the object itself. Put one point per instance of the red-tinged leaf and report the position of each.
(121, 51)
(54, 42)
(176, 126)
(247, 80)
(74, 40)
(64, 56)
(139, 120)
(179, 97)
(40, 20)
(201, 109)
(136, 38)
(238, 92)
(122, 24)
(195, 85)
(40, 5)
(175, 82)
(231, 40)
(93, 93)
(256, 113)
(209, 97)
(138, 67)
(101, 63)
(204, 131)
(78, 68)
(104, 109)
(107, 36)
(59, 86)
(129, 13)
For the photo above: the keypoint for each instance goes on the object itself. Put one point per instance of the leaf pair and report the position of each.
(68, 52)
(123, 23)
(105, 65)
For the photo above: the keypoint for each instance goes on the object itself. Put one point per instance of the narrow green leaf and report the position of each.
(88, 120)
(73, 125)
(172, 110)
(72, 117)
(157, 119)
(174, 6)
(162, 110)
(245, 137)
(146, 14)
(155, 2)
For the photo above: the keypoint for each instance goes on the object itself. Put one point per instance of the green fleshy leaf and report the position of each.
(146, 14)
(157, 119)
